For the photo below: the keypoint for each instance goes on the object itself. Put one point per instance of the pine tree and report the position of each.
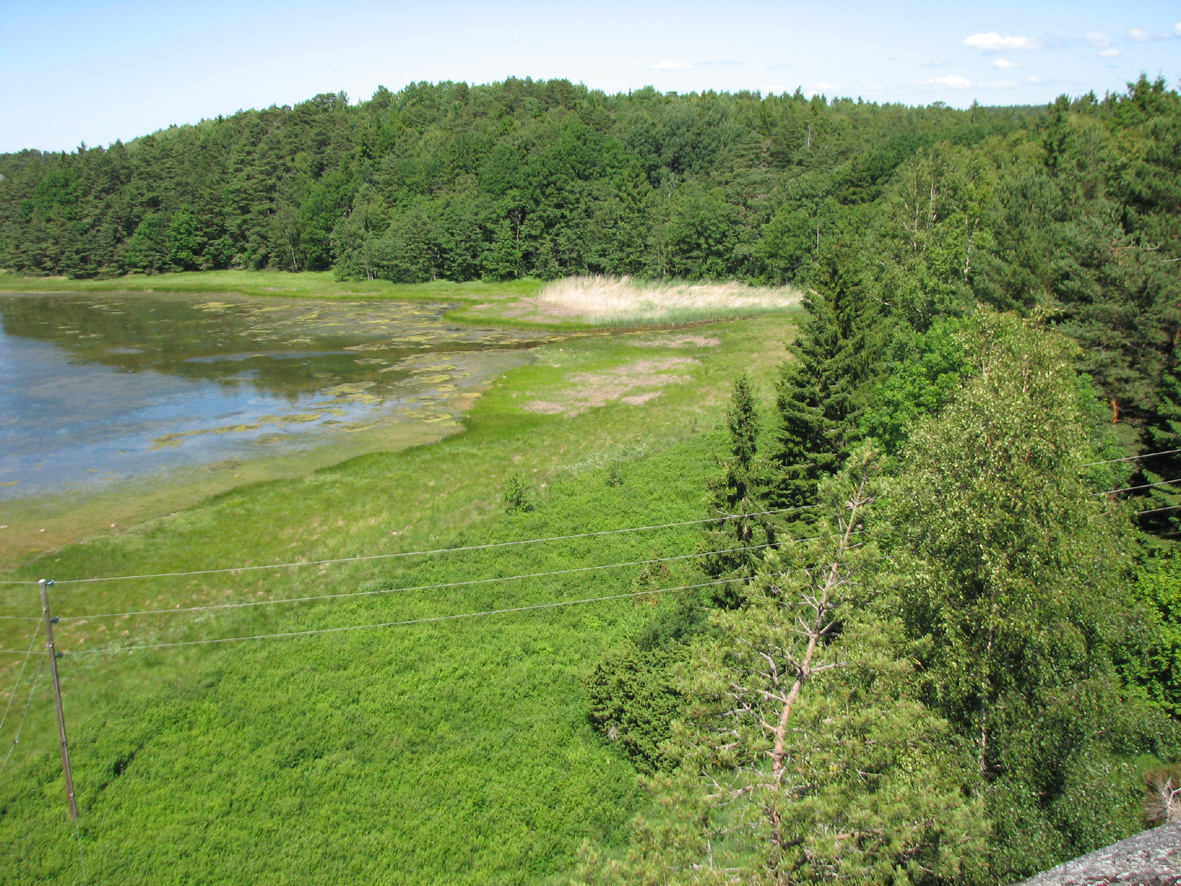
(806, 756)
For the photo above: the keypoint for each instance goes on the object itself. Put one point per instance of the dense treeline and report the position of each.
(1070, 210)
(461, 182)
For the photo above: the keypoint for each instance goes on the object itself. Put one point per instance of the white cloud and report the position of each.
(824, 87)
(1109, 53)
(1138, 35)
(1005, 63)
(669, 65)
(1097, 39)
(952, 80)
(1177, 28)
(994, 42)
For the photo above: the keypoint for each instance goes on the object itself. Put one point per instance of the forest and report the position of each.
(1066, 212)
(934, 633)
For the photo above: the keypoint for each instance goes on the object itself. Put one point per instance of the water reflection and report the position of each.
(106, 387)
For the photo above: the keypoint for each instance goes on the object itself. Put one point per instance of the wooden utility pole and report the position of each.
(57, 695)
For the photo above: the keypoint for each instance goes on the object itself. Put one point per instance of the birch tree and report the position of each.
(1016, 579)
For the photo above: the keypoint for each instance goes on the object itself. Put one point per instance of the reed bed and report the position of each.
(614, 301)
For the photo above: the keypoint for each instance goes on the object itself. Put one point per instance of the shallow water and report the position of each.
(104, 388)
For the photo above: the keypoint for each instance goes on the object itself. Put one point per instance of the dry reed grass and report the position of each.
(623, 300)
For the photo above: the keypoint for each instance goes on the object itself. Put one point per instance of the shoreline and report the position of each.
(36, 525)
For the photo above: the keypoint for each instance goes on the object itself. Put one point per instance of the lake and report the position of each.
(100, 389)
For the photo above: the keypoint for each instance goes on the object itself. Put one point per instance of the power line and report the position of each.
(1158, 510)
(489, 546)
(434, 587)
(81, 860)
(20, 674)
(442, 585)
(461, 549)
(412, 621)
(1134, 488)
(20, 727)
(1112, 461)
(466, 548)
(435, 618)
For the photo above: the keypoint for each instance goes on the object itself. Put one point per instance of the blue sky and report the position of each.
(94, 72)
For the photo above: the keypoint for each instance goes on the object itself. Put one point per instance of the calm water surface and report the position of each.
(104, 388)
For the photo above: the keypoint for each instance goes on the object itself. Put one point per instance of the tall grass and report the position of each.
(625, 301)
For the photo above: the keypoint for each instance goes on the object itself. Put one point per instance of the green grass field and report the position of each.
(373, 748)
(319, 285)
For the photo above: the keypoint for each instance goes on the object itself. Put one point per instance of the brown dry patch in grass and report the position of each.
(633, 384)
(530, 310)
(680, 341)
(639, 399)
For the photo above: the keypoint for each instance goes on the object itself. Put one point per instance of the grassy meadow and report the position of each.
(589, 303)
(311, 284)
(392, 733)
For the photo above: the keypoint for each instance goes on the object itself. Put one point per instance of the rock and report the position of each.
(1150, 858)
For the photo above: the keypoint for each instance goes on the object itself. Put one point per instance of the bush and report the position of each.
(516, 495)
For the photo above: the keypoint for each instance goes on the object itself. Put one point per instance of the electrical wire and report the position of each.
(407, 622)
(1112, 461)
(1134, 488)
(1158, 510)
(20, 727)
(460, 549)
(434, 587)
(466, 548)
(81, 860)
(442, 585)
(441, 618)
(20, 675)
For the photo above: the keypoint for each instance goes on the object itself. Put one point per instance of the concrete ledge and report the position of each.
(1150, 858)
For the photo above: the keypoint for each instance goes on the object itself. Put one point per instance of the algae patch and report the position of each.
(171, 440)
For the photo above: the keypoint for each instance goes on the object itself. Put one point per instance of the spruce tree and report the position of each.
(821, 394)
(734, 543)
(1164, 435)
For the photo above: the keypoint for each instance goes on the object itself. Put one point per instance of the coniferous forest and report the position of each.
(939, 639)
